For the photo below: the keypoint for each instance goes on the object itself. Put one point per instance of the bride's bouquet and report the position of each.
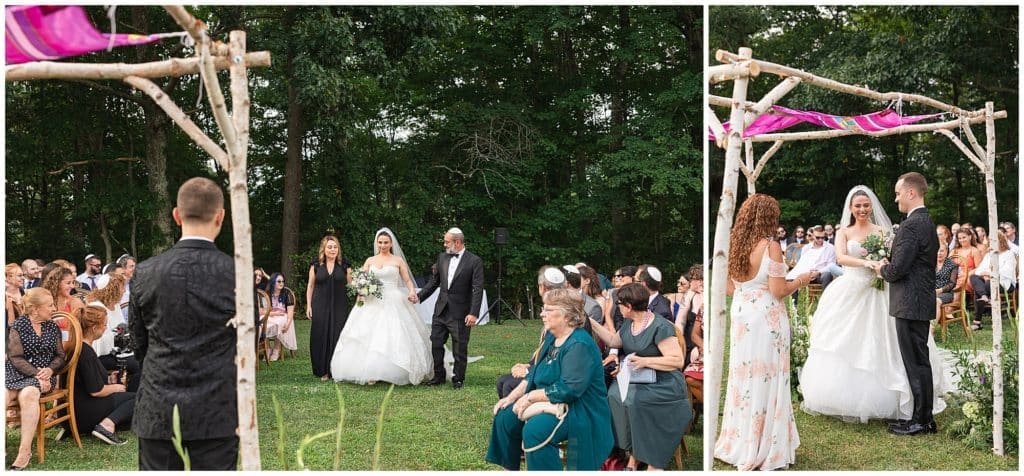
(875, 248)
(364, 283)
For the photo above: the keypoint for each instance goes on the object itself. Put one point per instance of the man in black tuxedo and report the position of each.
(911, 275)
(460, 276)
(180, 304)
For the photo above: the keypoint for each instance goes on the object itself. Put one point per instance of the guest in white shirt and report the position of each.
(981, 278)
(819, 256)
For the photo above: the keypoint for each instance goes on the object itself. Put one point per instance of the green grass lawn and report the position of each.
(827, 443)
(425, 428)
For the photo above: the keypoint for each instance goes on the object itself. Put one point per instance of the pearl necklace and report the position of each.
(643, 324)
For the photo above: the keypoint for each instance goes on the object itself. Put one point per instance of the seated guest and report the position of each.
(114, 359)
(650, 278)
(31, 269)
(261, 279)
(945, 237)
(830, 235)
(128, 263)
(680, 301)
(282, 316)
(34, 353)
(590, 281)
(102, 403)
(13, 292)
(696, 307)
(654, 416)
(966, 254)
(981, 279)
(982, 235)
(90, 279)
(612, 314)
(60, 282)
(1011, 235)
(694, 371)
(575, 281)
(548, 278)
(946, 274)
(568, 371)
(820, 256)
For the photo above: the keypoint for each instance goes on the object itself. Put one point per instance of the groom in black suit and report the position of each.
(460, 276)
(911, 275)
(180, 303)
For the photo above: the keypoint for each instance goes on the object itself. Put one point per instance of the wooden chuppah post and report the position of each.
(720, 259)
(997, 317)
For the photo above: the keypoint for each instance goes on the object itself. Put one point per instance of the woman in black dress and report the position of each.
(102, 403)
(327, 303)
(34, 353)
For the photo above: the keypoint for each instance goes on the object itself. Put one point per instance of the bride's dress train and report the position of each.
(854, 369)
(385, 340)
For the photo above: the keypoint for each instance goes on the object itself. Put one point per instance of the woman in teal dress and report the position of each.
(568, 370)
(659, 412)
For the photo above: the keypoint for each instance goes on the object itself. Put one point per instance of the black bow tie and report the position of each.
(454, 255)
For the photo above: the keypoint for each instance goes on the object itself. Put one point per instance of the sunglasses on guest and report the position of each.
(816, 237)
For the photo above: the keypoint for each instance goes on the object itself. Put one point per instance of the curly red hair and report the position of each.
(757, 219)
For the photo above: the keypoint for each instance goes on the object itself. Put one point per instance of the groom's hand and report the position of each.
(470, 320)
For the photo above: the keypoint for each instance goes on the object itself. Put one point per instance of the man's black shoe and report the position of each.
(434, 381)
(913, 429)
(897, 422)
(456, 385)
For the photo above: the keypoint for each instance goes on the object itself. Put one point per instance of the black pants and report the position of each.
(440, 329)
(131, 365)
(506, 384)
(124, 408)
(218, 454)
(912, 336)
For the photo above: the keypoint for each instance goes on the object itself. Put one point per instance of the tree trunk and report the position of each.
(156, 164)
(292, 170)
(105, 235)
(618, 105)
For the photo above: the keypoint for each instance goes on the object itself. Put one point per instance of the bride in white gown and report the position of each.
(854, 370)
(385, 340)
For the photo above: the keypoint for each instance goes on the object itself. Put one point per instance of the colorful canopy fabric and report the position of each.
(39, 33)
(781, 118)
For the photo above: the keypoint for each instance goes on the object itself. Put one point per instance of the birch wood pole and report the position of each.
(785, 71)
(963, 148)
(978, 150)
(770, 99)
(730, 71)
(726, 102)
(716, 127)
(748, 168)
(720, 260)
(997, 316)
(155, 69)
(180, 118)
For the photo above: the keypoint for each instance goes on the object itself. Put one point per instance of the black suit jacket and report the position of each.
(465, 294)
(911, 273)
(661, 307)
(179, 305)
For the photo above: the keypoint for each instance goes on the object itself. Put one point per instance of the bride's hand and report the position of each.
(413, 298)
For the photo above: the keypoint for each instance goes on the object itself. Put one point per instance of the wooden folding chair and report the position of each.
(262, 341)
(58, 405)
(814, 291)
(955, 311)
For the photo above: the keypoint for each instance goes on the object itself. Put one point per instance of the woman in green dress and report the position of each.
(568, 370)
(659, 411)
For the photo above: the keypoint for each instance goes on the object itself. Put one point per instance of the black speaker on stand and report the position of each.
(500, 240)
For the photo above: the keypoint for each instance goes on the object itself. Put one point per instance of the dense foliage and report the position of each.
(577, 128)
(963, 56)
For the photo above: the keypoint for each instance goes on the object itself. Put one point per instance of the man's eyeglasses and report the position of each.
(816, 237)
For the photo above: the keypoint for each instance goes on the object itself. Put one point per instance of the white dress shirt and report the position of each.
(822, 257)
(453, 264)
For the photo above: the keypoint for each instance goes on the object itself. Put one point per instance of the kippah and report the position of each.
(455, 230)
(571, 269)
(554, 276)
(89, 257)
(654, 273)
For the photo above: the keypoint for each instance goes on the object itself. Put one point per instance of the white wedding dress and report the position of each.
(384, 340)
(854, 369)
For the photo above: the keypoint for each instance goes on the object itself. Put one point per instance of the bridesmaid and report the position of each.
(758, 429)
(327, 303)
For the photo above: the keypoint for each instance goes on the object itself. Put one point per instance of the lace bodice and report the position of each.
(853, 249)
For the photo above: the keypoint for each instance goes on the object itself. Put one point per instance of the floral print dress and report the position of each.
(758, 430)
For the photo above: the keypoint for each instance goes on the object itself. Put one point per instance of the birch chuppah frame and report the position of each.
(210, 57)
(739, 68)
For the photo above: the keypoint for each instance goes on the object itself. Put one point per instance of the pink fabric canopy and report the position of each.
(39, 33)
(781, 118)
